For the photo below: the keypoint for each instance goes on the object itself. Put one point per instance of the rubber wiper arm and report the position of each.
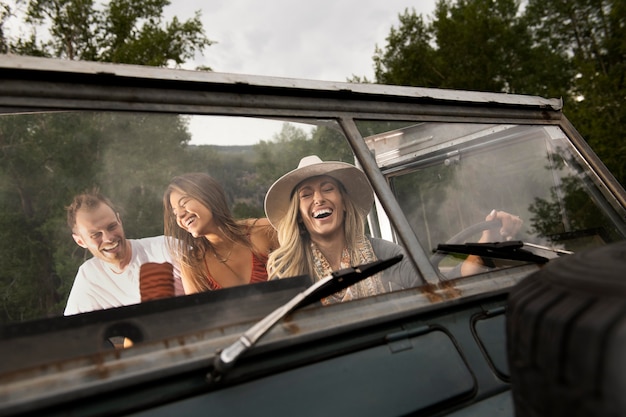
(328, 285)
(511, 250)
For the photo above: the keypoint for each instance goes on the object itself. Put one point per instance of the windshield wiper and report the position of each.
(550, 249)
(511, 250)
(325, 287)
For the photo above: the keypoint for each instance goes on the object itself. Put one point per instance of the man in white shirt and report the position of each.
(112, 277)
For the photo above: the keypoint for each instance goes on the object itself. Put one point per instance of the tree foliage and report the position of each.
(122, 31)
(593, 35)
(574, 49)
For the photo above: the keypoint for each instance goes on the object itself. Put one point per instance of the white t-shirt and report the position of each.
(97, 287)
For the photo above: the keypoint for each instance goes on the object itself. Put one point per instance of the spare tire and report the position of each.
(566, 336)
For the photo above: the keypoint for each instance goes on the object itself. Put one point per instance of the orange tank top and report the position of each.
(259, 270)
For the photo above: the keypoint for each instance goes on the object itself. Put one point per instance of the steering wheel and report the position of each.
(463, 235)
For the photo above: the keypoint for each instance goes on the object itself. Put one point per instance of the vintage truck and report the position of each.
(439, 161)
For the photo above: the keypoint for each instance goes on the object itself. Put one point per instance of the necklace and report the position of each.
(219, 258)
(233, 271)
(212, 283)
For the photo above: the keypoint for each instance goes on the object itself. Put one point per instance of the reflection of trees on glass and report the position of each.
(457, 191)
(422, 195)
(570, 212)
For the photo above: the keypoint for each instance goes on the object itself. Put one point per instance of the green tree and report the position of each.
(5, 13)
(593, 34)
(574, 49)
(408, 58)
(35, 179)
(281, 154)
(330, 145)
(479, 45)
(124, 31)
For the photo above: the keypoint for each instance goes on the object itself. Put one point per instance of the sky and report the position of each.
(328, 40)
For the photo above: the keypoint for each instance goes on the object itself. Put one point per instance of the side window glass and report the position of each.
(448, 177)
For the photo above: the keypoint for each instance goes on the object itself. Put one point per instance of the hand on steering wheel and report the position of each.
(511, 226)
(498, 226)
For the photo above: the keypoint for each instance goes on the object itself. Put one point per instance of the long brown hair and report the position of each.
(190, 251)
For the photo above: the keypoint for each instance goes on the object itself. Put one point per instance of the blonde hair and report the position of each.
(188, 250)
(294, 256)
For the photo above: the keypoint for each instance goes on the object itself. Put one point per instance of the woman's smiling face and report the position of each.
(191, 215)
(321, 207)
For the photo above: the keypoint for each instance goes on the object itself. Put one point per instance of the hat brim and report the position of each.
(355, 182)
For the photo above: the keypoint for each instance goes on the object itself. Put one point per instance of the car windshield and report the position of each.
(48, 157)
(448, 176)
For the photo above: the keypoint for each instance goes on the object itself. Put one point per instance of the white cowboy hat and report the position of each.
(355, 182)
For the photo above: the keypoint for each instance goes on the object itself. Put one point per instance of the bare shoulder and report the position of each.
(262, 234)
(260, 222)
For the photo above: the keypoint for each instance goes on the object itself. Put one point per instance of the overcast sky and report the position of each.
(327, 40)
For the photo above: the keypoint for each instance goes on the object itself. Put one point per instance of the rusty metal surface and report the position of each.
(84, 334)
(70, 379)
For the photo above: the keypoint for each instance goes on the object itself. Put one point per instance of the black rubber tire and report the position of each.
(566, 336)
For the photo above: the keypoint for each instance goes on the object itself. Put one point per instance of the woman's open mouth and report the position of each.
(322, 214)
(190, 221)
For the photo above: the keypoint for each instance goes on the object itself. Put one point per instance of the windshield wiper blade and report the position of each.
(511, 250)
(325, 287)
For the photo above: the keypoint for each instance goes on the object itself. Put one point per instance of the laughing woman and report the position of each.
(214, 250)
(319, 211)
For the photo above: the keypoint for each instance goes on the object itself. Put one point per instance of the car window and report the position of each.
(48, 157)
(445, 177)
(448, 177)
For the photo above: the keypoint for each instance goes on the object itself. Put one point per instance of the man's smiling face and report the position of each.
(100, 230)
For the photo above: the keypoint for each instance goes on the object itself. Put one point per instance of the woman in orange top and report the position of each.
(213, 249)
